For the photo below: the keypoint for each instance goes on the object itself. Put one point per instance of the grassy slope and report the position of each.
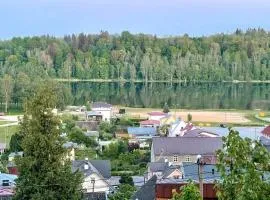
(6, 133)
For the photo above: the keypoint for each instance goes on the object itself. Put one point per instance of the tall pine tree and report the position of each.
(45, 174)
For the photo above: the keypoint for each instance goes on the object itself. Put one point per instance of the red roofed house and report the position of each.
(150, 123)
(156, 115)
(266, 131)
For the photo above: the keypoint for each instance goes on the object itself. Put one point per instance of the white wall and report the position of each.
(99, 186)
(106, 113)
(151, 117)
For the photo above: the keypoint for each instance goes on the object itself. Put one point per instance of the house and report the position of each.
(265, 142)
(150, 123)
(88, 125)
(138, 181)
(71, 146)
(157, 115)
(167, 179)
(147, 191)
(197, 132)
(7, 180)
(179, 128)
(104, 108)
(156, 169)
(170, 183)
(93, 116)
(266, 131)
(185, 149)
(135, 132)
(6, 193)
(12, 155)
(3, 147)
(96, 175)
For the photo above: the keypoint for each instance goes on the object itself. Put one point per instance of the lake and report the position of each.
(244, 96)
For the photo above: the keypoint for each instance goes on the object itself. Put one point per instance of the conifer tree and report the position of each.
(45, 173)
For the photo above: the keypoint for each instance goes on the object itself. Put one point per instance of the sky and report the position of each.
(159, 17)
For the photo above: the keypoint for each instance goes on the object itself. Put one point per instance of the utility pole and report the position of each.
(200, 173)
(93, 182)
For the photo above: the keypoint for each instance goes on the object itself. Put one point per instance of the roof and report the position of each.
(157, 113)
(6, 192)
(94, 196)
(93, 113)
(157, 166)
(147, 191)
(13, 154)
(147, 122)
(265, 142)
(92, 134)
(199, 133)
(101, 105)
(186, 145)
(142, 130)
(10, 177)
(191, 173)
(266, 131)
(70, 145)
(137, 180)
(102, 167)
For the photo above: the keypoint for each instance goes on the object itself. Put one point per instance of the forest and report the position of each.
(242, 55)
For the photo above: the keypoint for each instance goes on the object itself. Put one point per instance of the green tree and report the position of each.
(166, 108)
(242, 164)
(188, 192)
(189, 117)
(15, 144)
(126, 179)
(45, 174)
(7, 87)
(124, 192)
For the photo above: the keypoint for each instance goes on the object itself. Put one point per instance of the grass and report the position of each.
(6, 133)
(5, 122)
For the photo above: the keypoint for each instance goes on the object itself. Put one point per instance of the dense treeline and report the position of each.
(238, 56)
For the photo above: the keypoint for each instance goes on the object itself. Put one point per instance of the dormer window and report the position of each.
(175, 158)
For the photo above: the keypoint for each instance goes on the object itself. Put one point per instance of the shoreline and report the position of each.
(152, 81)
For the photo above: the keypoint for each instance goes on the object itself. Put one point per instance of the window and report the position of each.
(188, 159)
(175, 158)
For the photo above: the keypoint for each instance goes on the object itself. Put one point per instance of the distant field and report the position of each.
(6, 133)
(207, 116)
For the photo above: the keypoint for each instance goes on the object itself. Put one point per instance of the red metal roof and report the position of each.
(149, 122)
(157, 113)
(266, 131)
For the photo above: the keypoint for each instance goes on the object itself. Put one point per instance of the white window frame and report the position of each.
(175, 158)
(188, 159)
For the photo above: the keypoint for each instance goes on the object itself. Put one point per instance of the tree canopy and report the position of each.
(244, 168)
(45, 173)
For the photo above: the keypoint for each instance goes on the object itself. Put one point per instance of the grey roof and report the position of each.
(265, 142)
(102, 167)
(70, 145)
(142, 130)
(171, 169)
(101, 105)
(157, 166)
(197, 133)
(137, 180)
(210, 174)
(89, 125)
(93, 113)
(186, 145)
(147, 191)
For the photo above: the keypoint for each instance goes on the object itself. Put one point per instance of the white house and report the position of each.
(179, 128)
(96, 175)
(104, 109)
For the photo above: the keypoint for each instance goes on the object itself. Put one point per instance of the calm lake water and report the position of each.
(182, 95)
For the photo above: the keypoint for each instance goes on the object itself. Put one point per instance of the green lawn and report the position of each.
(6, 133)
(5, 122)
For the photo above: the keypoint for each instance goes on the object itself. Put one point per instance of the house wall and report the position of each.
(100, 184)
(165, 191)
(209, 159)
(106, 113)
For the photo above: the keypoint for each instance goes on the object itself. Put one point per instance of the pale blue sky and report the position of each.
(160, 17)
